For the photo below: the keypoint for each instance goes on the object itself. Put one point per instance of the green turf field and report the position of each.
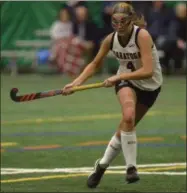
(69, 133)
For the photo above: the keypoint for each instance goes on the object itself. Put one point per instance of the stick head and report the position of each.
(13, 93)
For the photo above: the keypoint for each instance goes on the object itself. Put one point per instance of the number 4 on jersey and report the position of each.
(130, 66)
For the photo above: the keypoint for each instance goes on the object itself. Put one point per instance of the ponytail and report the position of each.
(139, 20)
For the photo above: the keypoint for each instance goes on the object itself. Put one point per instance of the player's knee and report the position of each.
(129, 117)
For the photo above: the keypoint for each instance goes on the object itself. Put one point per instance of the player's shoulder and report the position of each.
(108, 40)
(143, 33)
(109, 37)
(144, 37)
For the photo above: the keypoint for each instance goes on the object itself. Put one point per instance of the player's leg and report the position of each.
(114, 145)
(111, 152)
(145, 100)
(113, 149)
(130, 150)
(126, 97)
(141, 111)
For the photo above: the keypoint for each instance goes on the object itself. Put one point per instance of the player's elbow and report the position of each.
(97, 64)
(148, 73)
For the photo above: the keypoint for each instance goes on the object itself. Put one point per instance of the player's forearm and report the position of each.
(88, 71)
(136, 75)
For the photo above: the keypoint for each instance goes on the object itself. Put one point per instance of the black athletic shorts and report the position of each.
(146, 98)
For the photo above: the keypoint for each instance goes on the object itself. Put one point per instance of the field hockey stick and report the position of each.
(39, 95)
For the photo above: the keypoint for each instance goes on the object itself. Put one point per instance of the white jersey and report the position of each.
(129, 59)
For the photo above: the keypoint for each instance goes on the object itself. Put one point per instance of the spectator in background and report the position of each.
(63, 26)
(71, 5)
(174, 45)
(68, 47)
(106, 16)
(141, 6)
(158, 18)
(60, 29)
(86, 29)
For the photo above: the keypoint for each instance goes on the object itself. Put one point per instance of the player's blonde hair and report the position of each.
(139, 20)
(127, 9)
(124, 8)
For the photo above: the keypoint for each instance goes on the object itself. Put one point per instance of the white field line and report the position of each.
(27, 171)
(151, 173)
(111, 167)
(10, 171)
(109, 172)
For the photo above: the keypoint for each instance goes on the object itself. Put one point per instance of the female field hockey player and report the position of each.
(137, 85)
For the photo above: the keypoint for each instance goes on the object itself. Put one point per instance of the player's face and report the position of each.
(120, 23)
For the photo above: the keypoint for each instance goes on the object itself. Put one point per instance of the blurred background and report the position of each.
(62, 37)
(46, 44)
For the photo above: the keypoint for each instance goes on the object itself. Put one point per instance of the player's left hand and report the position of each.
(110, 81)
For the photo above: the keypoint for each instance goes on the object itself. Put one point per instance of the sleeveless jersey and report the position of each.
(129, 59)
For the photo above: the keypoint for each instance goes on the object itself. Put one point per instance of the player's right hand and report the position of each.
(67, 90)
